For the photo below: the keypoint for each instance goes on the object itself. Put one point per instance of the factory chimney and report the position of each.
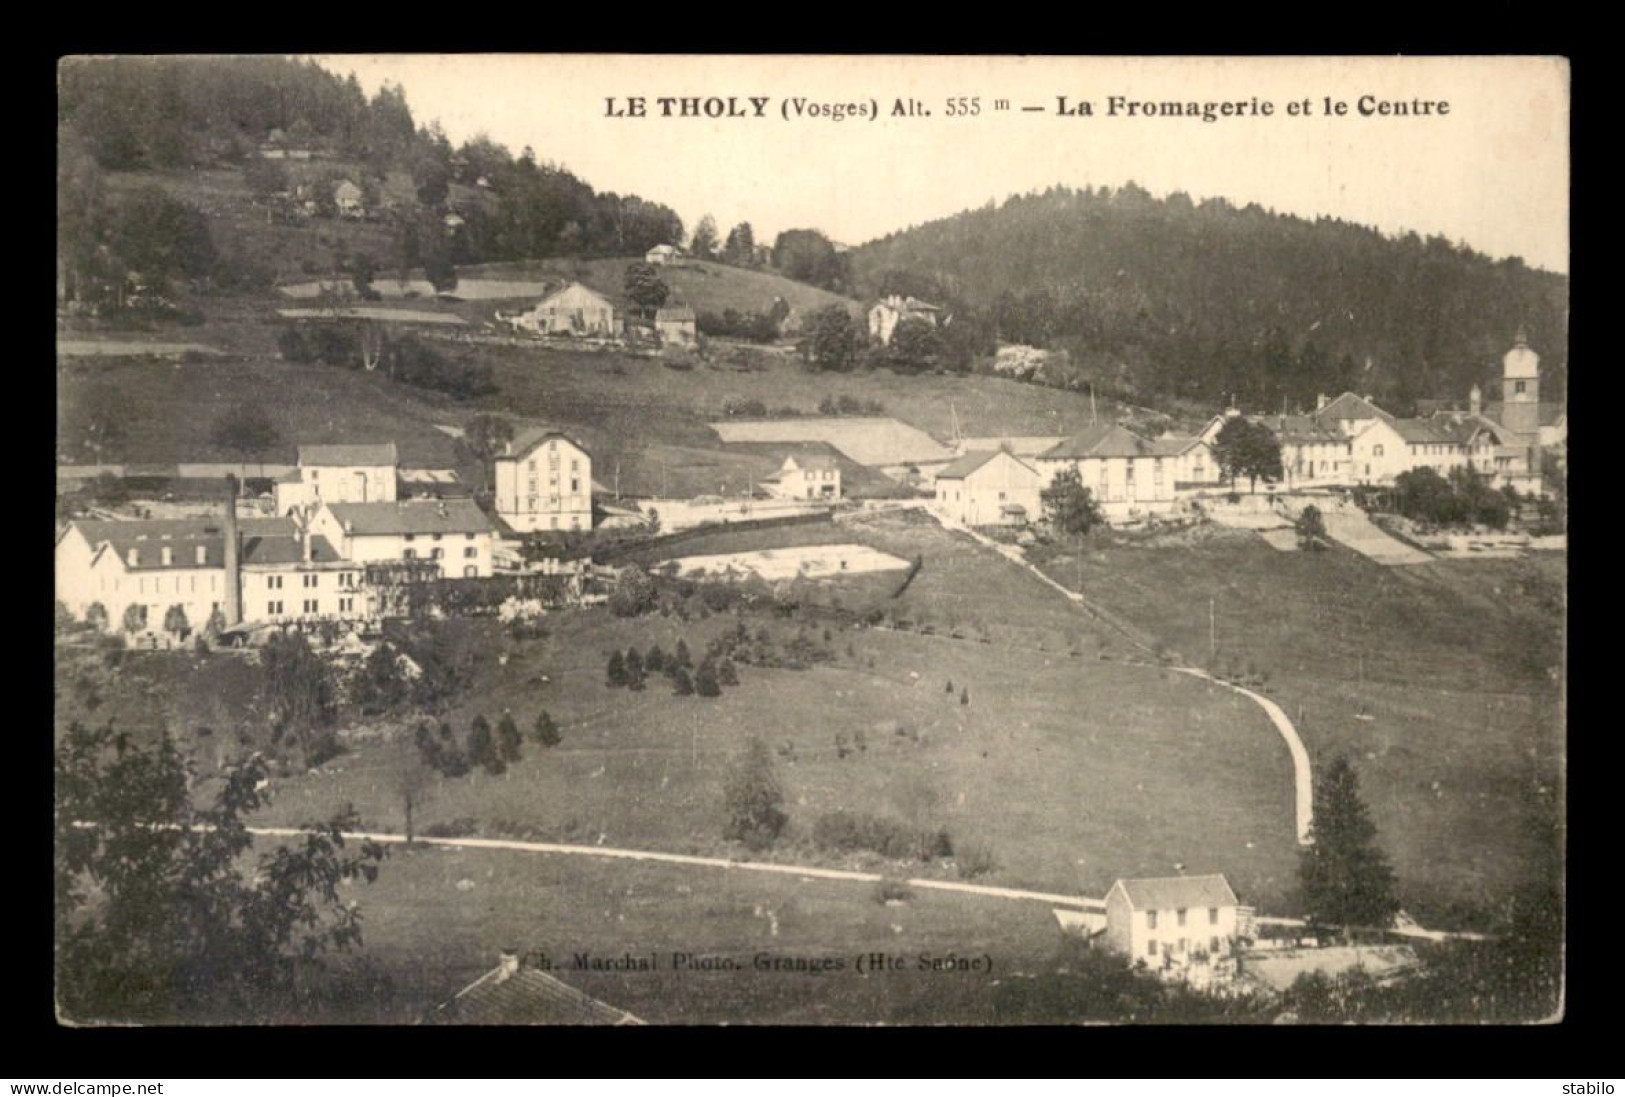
(234, 579)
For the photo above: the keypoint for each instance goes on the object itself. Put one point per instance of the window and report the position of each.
(310, 605)
(409, 554)
(1150, 919)
(1212, 916)
(1518, 388)
(471, 572)
(346, 579)
(437, 537)
(437, 554)
(1151, 947)
(533, 485)
(1181, 913)
(202, 555)
(409, 537)
(311, 580)
(575, 486)
(346, 605)
(470, 552)
(1376, 451)
(273, 608)
(575, 466)
(1213, 945)
(532, 466)
(273, 582)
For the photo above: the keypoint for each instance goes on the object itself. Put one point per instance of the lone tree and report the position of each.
(1070, 507)
(616, 674)
(1245, 448)
(704, 244)
(1344, 878)
(546, 731)
(412, 769)
(161, 916)
(510, 743)
(832, 341)
(1311, 529)
(752, 799)
(644, 287)
(485, 436)
(482, 747)
(705, 681)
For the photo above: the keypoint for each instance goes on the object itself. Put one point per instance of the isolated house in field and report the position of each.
(1173, 920)
(806, 476)
(517, 993)
(574, 310)
(544, 482)
(888, 313)
(454, 533)
(676, 325)
(991, 488)
(366, 473)
(663, 255)
(349, 199)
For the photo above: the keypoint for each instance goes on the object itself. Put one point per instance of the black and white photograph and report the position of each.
(810, 540)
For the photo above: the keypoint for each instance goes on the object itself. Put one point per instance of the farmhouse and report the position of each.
(455, 533)
(516, 993)
(675, 325)
(806, 476)
(365, 473)
(888, 313)
(349, 199)
(544, 482)
(1171, 921)
(574, 310)
(1128, 475)
(663, 255)
(991, 488)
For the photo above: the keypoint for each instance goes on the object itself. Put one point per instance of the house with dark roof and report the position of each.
(543, 481)
(351, 473)
(519, 993)
(1174, 921)
(677, 326)
(455, 533)
(989, 488)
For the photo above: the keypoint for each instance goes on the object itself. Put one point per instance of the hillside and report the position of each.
(1163, 299)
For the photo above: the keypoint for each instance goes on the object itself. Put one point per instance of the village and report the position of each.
(644, 608)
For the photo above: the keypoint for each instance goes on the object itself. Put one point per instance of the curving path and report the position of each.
(1302, 776)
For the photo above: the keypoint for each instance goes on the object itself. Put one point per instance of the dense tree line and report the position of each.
(1169, 298)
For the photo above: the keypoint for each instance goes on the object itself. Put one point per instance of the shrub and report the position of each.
(892, 891)
(655, 661)
(843, 831)
(546, 731)
(973, 859)
(752, 799)
(463, 827)
(682, 684)
(705, 681)
(616, 673)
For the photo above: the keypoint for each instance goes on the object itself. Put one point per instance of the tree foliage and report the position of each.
(160, 916)
(832, 340)
(1069, 506)
(1344, 877)
(1245, 448)
(753, 799)
(1311, 529)
(644, 287)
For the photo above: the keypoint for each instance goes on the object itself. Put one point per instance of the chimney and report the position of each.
(1321, 402)
(234, 579)
(507, 964)
(1475, 401)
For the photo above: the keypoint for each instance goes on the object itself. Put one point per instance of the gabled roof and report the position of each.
(526, 997)
(529, 438)
(269, 551)
(962, 467)
(673, 314)
(1102, 440)
(348, 455)
(1349, 406)
(1177, 892)
(411, 516)
(149, 537)
(820, 461)
(574, 296)
(1300, 429)
(1173, 446)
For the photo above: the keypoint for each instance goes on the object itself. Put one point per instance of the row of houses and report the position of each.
(1345, 442)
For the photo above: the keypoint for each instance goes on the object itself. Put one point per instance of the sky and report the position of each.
(1493, 171)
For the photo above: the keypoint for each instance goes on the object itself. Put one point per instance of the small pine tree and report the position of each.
(634, 666)
(482, 747)
(616, 675)
(752, 799)
(655, 661)
(547, 732)
(683, 684)
(1344, 878)
(509, 742)
(682, 653)
(950, 687)
(964, 696)
(705, 682)
(726, 674)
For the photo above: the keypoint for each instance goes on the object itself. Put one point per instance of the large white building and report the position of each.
(1169, 921)
(339, 474)
(885, 315)
(573, 310)
(991, 488)
(544, 482)
(1129, 475)
(455, 533)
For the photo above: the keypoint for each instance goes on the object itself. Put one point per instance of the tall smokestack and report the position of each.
(234, 579)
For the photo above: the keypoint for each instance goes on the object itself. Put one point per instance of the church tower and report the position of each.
(1520, 388)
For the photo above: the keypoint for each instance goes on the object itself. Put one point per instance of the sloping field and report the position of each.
(470, 289)
(868, 441)
(126, 348)
(808, 561)
(387, 316)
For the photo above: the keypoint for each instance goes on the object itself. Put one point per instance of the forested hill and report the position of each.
(1165, 298)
